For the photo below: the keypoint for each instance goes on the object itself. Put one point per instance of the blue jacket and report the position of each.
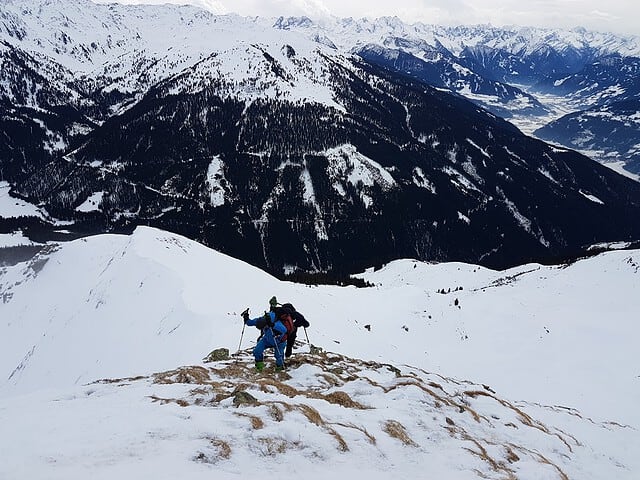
(269, 328)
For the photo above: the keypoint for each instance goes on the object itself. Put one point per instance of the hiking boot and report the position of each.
(279, 368)
(259, 366)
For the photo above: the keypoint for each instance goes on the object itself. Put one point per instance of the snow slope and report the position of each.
(544, 356)
(129, 48)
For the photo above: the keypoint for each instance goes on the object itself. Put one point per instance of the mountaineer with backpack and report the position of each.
(275, 325)
(298, 321)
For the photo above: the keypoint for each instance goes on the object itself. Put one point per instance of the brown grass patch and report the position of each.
(123, 381)
(256, 422)
(371, 438)
(276, 413)
(342, 445)
(438, 398)
(234, 370)
(164, 401)
(511, 455)
(332, 379)
(270, 447)
(314, 417)
(396, 430)
(312, 414)
(343, 399)
(192, 374)
(483, 454)
(222, 447)
(221, 451)
(283, 388)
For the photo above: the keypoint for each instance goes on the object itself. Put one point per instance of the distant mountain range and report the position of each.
(530, 76)
(285, 148)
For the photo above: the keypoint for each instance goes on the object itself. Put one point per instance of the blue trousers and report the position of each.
(263, 344)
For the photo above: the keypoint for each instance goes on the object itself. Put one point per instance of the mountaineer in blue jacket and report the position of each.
(275, 326)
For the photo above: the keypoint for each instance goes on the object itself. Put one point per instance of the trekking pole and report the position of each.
(305, 334)
(243, 327)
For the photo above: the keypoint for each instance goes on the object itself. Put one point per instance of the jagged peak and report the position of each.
(287, 22)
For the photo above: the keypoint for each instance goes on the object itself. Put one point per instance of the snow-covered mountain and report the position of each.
(444, 370)
(528, 75)
(287, 152)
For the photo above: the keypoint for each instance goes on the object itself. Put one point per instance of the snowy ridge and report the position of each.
(489, 373)
(246, 71)
(352, 33)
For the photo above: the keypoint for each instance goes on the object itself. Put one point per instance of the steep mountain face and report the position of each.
(608, 79)
(523, 66)
(443, 70)
(286, 153)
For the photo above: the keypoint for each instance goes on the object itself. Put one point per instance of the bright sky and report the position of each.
(620, 16)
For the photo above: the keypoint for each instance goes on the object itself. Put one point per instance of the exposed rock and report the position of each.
(217, 355)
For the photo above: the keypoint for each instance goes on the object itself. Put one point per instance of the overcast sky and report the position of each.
(620, 16)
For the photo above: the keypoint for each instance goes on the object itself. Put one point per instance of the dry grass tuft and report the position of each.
(342, 445)
(276, 413)
(199, 391)
(314, 417)
(332, 380)
(165, 401)
(482, 453)
(283, 388)
(222, 447)
(233, 370)
(193, 374)
(396, 430)
(221, 451)
(511, 455)
(256, 422)
(526, 419)
(270, 447)
(342, 398)
(312, 414)
(371, 438)
(123, 381)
